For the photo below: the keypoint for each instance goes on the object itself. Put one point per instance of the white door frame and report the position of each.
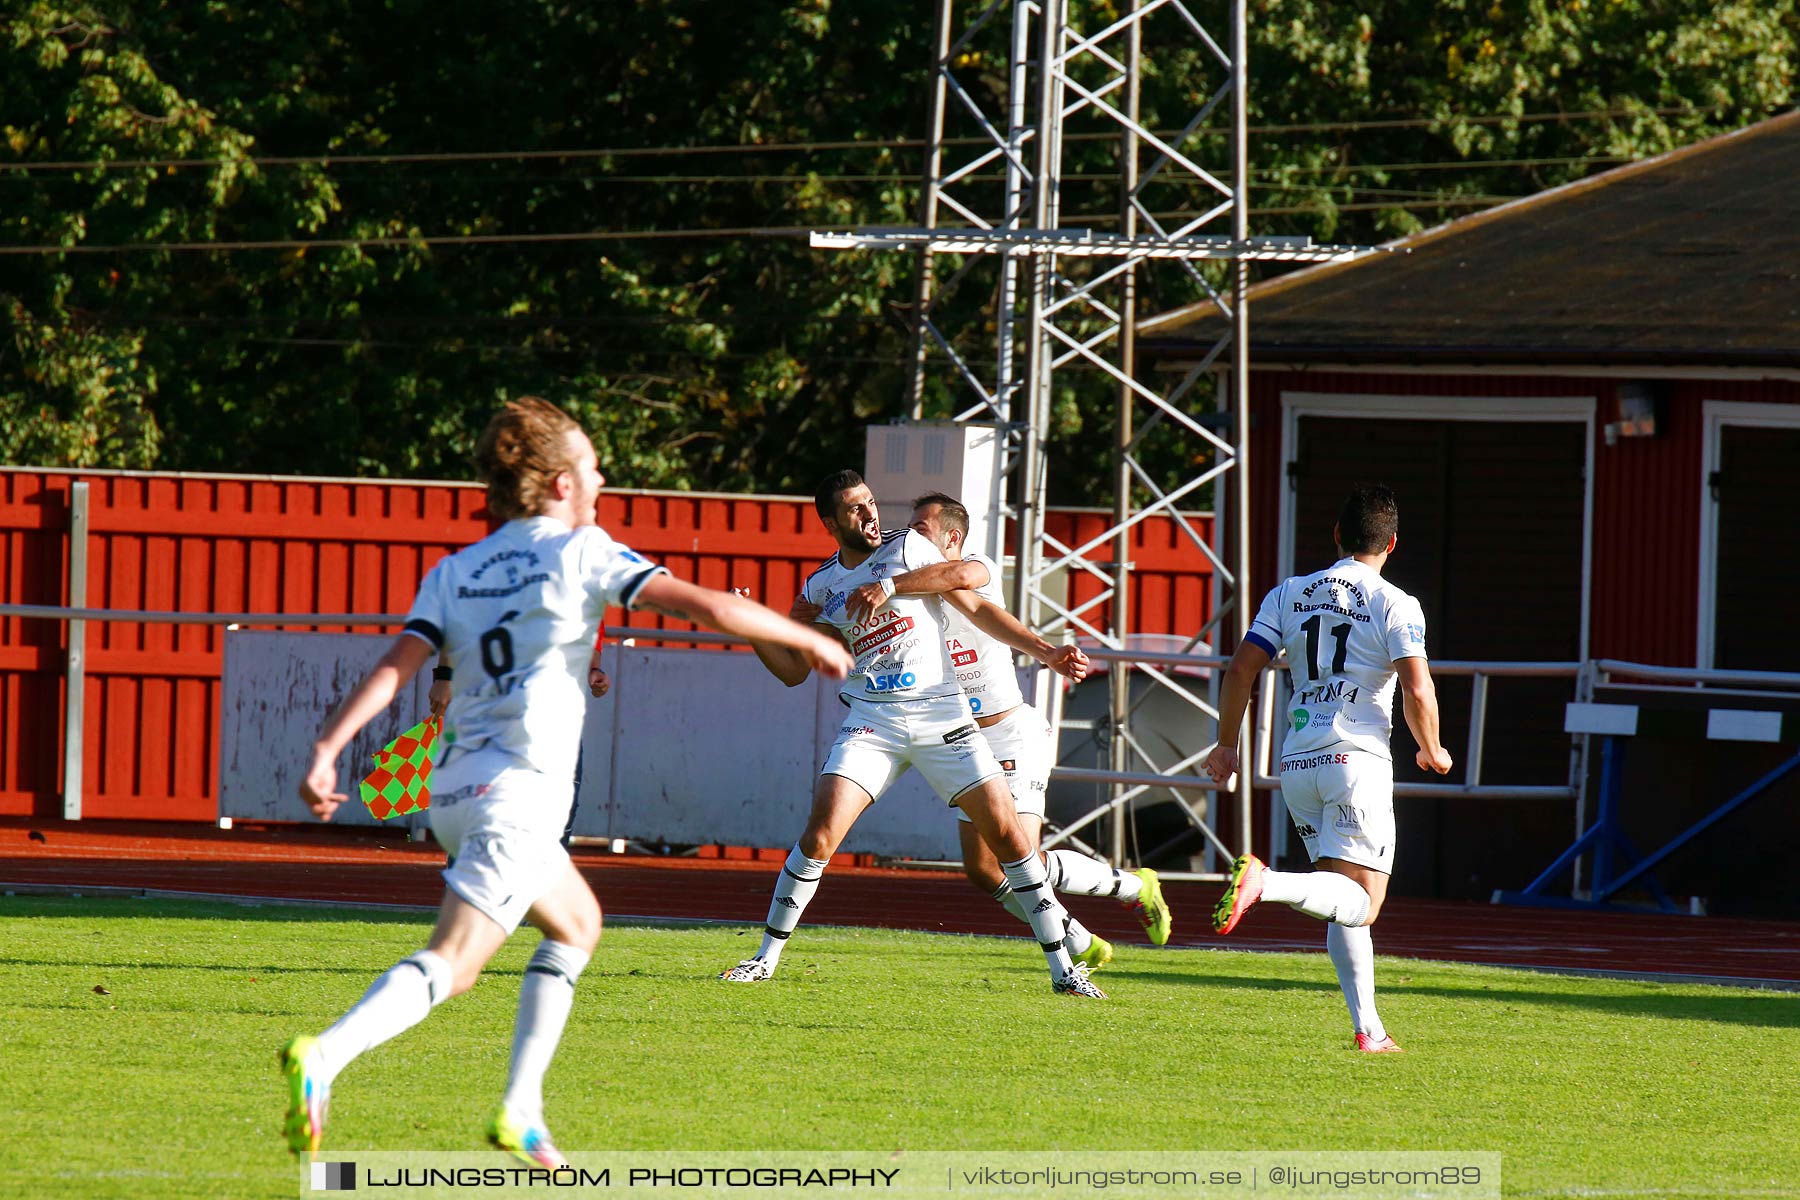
(1297, 404)
(1715, 415)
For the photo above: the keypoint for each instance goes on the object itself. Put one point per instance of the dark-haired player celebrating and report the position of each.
(1015, 731)
(1350, 635)
(906, 709)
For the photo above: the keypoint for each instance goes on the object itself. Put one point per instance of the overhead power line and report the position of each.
(1468, 164)
(631, 235)
(471, 239)
(480, 156)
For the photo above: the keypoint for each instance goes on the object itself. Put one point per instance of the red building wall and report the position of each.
(1645, 603)
(197, 544)
(232, 544)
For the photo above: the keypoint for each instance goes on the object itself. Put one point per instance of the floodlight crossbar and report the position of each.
(1081, 243)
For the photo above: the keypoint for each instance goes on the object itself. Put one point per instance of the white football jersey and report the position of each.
(1342, 628)
(983, 664)
(515, 615)
(899, 650)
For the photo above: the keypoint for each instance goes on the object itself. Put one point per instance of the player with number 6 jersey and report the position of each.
(516, 612)
(1349, 636)
(523, 604)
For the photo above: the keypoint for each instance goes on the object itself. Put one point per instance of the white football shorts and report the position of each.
(1342, 804)
(937, 736)
(501, 823)
(1022, 743)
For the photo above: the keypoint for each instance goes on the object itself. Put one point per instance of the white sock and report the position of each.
(1352, 952)
(1322, 894)
(393, 1004)
(793, 891)
(1077, 874)
(1047, 917)
(544, 1002)
(1008, 899)
(1076, 938)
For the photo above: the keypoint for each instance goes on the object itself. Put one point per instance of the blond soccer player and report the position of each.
(520, 607)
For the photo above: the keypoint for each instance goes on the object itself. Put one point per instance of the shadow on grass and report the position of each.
(159, 908)
(225, 968)
(1771, 1009)
(325, 909)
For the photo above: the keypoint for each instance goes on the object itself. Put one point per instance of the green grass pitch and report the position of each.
(140, 1036)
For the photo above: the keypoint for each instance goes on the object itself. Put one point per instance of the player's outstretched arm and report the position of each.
(792, 645)
(930, 580)
(1418, 698)
(997, 623)
(783, 663)
(397, 667)
(1234, 699)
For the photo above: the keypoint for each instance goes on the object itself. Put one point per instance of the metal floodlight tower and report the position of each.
(1064, 300)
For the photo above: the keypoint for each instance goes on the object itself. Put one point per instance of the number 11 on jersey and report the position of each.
(1340, 633)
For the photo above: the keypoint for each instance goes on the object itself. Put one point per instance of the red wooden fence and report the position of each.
(212, 543)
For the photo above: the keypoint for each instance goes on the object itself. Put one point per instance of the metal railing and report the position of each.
(1471, 787)
(1679, 681)
(1640, 678)
(1177, 777)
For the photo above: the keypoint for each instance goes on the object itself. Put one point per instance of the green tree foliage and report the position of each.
(1666, 72)
(700, 357)
(79, 382)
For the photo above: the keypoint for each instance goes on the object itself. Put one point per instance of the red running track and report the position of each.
(361, 867)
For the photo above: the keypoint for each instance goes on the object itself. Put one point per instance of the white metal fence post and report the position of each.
(75, 670)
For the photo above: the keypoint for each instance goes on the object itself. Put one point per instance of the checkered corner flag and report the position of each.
(401, 780)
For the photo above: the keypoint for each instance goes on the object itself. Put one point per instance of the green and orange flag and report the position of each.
(401, 780)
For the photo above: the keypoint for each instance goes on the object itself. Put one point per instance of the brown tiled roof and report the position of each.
(1690, 258)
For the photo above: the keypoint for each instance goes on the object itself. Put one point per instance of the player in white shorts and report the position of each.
(518, 609)
(905, 710)
(1349, 635)
(1015, 731)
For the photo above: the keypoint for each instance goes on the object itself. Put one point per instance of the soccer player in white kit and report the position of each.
(906, 709)
(1349, 635)
(518, 610)
(1015, 731)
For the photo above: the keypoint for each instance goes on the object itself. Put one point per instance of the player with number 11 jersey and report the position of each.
(1350, 638)
(1343, 628)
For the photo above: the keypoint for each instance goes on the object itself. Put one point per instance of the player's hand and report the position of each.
(804, 611)
(1222, 764)
(319, 788)
(827, 656)
(598, 683)
(861, 604)
(1434, 760)
(439, 696)
(1071, 662)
